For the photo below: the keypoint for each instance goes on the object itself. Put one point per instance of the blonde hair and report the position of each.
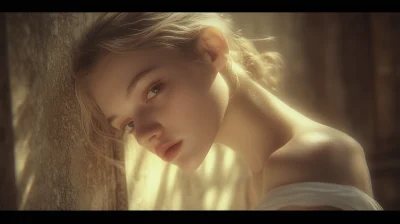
(124, 32)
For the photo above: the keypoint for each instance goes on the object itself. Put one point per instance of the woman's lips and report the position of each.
(168, 151)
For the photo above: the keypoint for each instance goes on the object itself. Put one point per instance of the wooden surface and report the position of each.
(8, 192)
(54, 169)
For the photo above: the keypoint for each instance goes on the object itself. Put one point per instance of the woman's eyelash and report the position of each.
(129, 125)
(152, 91)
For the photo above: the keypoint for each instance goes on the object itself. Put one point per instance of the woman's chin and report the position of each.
(190, 165)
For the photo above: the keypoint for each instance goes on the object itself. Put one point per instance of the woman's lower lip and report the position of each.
(172, 152)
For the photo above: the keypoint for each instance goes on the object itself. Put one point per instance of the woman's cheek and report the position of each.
(177, 102)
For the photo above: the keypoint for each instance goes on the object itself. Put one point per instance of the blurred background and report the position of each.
(342, 69)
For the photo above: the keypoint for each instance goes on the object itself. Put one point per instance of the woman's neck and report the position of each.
(256, 124)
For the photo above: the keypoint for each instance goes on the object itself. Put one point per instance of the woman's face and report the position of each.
(173, 106)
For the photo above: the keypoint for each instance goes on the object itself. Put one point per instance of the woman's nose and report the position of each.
(147, 135)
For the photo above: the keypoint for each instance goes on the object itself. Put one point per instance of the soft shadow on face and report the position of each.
(177, 99)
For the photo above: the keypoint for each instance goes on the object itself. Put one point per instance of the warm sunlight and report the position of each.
(153, 184)
(26, 191)
(22, 150)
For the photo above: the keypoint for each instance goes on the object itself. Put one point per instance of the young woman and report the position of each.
(180, 82)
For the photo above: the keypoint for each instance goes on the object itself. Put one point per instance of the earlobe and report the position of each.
(207, 57)
(220, 62)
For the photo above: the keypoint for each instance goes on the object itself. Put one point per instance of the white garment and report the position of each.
(318, 194)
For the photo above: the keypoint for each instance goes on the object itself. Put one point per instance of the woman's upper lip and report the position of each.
(162, 148)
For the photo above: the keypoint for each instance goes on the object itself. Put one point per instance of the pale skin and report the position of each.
(188, 100)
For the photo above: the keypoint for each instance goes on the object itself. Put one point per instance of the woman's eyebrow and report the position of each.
(136, 79)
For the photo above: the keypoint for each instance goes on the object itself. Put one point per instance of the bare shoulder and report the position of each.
(320, 155)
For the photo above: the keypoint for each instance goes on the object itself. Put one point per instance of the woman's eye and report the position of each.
(130, 126)
(153, 91)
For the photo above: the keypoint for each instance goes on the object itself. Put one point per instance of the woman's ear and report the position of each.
(207, 57)
(212, 45)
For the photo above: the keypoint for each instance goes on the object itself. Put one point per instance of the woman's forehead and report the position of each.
(135, 59)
